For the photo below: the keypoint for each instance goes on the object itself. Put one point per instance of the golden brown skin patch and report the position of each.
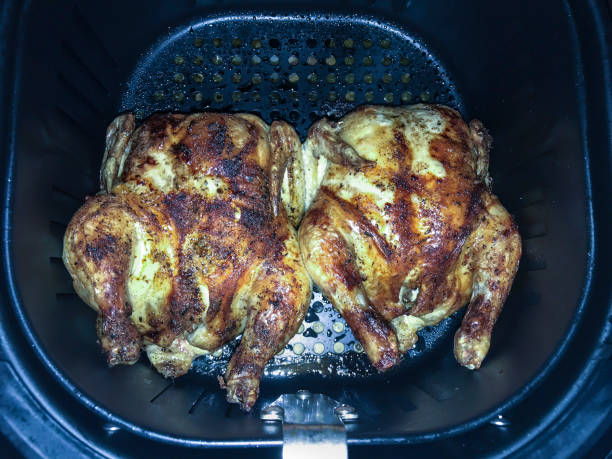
(405, 230)
(188, 244)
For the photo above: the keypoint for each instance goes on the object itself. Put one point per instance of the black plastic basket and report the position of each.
(537, 74)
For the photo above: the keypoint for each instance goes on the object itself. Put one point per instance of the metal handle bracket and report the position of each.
(313, 424)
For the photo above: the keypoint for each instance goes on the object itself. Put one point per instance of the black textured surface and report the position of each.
(549, 112)
(296, 67)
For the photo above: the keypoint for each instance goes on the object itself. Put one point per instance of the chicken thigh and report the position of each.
(189, 243)
(404, 229)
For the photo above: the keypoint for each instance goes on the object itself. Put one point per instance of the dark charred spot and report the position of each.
(410, 184)
(401, 151)
(510, 229)
(184, 300)
(230, 168)
(252, 219)
(216, 139)
(475, 206)
(157, 123)
(276, 303)
(223, 252)
(101, 247)
(118, 337)
(183, 152)
(184, 209)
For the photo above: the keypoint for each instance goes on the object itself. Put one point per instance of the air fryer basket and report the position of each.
(91, 62)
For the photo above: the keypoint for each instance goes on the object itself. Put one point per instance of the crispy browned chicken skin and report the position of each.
(188, 244)
(405, 230)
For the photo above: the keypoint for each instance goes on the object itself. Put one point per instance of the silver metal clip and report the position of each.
(313, 424)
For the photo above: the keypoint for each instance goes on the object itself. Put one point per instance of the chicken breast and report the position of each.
(190, 243)
(404, 229)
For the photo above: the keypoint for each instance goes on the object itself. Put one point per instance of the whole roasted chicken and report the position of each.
(190, 243)
(404, 229)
